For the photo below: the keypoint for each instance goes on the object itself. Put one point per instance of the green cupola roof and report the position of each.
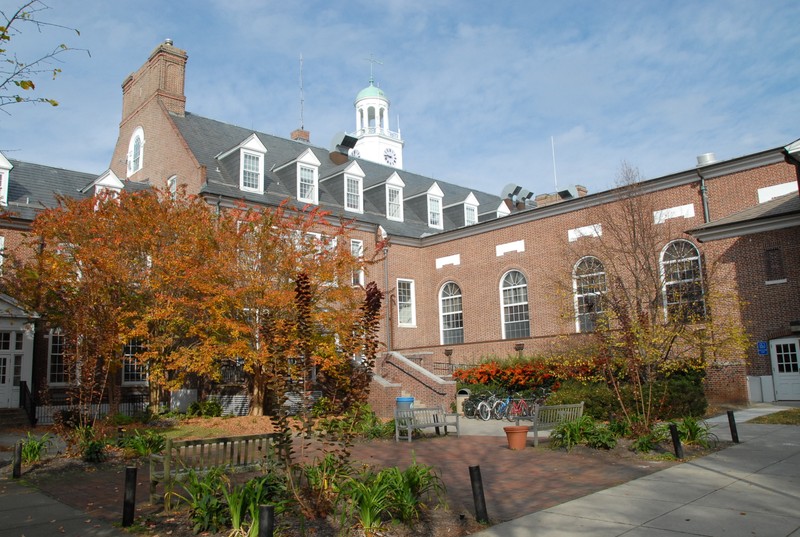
(371, 91)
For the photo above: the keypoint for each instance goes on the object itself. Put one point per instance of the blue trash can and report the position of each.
(405, 403)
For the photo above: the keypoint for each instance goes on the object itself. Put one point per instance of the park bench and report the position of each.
(406, 420)
(548, 416)
(233, 454)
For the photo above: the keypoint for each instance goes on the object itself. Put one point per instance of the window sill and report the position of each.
(775, 282)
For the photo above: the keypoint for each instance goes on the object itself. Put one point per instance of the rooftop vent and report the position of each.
(168, 41)
(705, 159)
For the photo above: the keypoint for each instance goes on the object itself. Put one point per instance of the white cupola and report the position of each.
(376, 141)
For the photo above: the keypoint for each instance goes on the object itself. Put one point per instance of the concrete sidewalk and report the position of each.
(752, 488)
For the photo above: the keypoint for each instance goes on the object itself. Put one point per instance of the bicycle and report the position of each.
(485, 407)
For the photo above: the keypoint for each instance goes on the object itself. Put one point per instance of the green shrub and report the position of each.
(145, 443)
(600, 437)
(34, 448)
(685, 396)
(599, 400)
(210, 408)
(91, 446)
(569, 434)
(694, 431)
(204, 495)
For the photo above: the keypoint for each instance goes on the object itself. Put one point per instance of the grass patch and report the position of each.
(182, 431)
(784, 417)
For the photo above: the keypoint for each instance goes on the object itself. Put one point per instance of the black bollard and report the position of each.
(477, 494)
(676, 441)
(16, 470)
(266, 520)
(732, 423)
(129, 504)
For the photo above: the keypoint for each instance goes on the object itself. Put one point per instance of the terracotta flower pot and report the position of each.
(517, 436)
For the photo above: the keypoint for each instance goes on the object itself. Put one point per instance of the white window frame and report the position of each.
(698, 269)
(357, 194)
(134, 373)
(513, 309)
(258, 172)
(357, 251)
(4, 175)
(313, 184)
(583, 296)
(470, 214)
(136, 152)
(435, 212)
(56, 333)
(2, 252)
(451, 314)
(406, 303)
(398, 205)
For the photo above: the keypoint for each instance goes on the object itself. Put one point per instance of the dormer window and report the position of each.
(308, 177)
(435, 195)
(136, 151)
(353, 198)
(252, 177)
(394, 198)
(471, 210)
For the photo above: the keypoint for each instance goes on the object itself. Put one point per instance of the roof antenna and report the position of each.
(555, 175)
(302, 99)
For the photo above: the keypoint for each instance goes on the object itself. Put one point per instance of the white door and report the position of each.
(6, 381)
(786, 368)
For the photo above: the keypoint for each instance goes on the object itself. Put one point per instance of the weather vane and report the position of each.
(372, 61)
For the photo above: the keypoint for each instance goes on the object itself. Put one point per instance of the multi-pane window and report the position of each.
(137, 154)
(589, 282)
(251, 172)
(773, 265)
(172, 187)
(786, 357)
(357, 251)
(452, 314)
(470, 215)
(352, 194)
(514, 293)
(683, 280)
(434, 211)
(394, 203)
(57, 366)
(133, 371)
(406, 314)
(136, 151)
(307, 184)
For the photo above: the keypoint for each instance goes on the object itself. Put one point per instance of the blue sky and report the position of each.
(480, 88)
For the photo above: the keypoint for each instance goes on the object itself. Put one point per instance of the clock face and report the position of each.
(389, 156)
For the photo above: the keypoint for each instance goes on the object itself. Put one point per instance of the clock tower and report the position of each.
(376, 141)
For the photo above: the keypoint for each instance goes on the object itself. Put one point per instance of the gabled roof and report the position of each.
(211, 141)
(779, 213)
(33, 187)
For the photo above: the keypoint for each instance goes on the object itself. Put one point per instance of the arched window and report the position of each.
(136, 151)
(683, 280)
(452, 314)
(589, 283)
(514, 295)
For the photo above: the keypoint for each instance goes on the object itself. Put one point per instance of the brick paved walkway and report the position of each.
(515, 482)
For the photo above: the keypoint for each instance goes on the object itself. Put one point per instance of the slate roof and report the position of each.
(209, 140)
(781, 212)
(33, 187)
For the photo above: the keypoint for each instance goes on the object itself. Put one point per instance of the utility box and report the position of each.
(405, 403)
(461, 396)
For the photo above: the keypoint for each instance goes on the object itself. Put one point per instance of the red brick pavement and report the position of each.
(515, 483)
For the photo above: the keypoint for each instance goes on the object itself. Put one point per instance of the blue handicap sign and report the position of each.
(763, 348)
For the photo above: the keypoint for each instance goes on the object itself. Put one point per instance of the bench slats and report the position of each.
(548, 416)
(406, 420)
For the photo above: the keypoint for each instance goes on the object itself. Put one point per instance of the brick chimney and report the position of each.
(301, 135)
(162, 77)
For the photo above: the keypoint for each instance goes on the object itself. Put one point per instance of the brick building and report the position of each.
(470, 274)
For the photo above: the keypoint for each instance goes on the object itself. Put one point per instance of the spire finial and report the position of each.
(372, 61)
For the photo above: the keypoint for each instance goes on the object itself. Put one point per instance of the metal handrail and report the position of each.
(27, 402)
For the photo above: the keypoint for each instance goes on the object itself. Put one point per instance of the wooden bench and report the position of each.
(408, 419)
(234, 454)
(547, 417)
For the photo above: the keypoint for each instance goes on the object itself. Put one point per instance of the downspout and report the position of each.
(384, 236)
(704, 197)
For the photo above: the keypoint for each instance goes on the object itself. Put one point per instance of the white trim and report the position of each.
(412, 323)
(681, 211)
(448, 260)
(359, 193)
(503, 249)
(442, 313)
(595, 230)
(132, 165)
(357, 251)
(399, 191)
(259, 171)
(775, 191)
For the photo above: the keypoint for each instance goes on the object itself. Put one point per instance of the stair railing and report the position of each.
(27, 402)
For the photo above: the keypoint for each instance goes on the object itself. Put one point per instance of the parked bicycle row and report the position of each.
(493, 406)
